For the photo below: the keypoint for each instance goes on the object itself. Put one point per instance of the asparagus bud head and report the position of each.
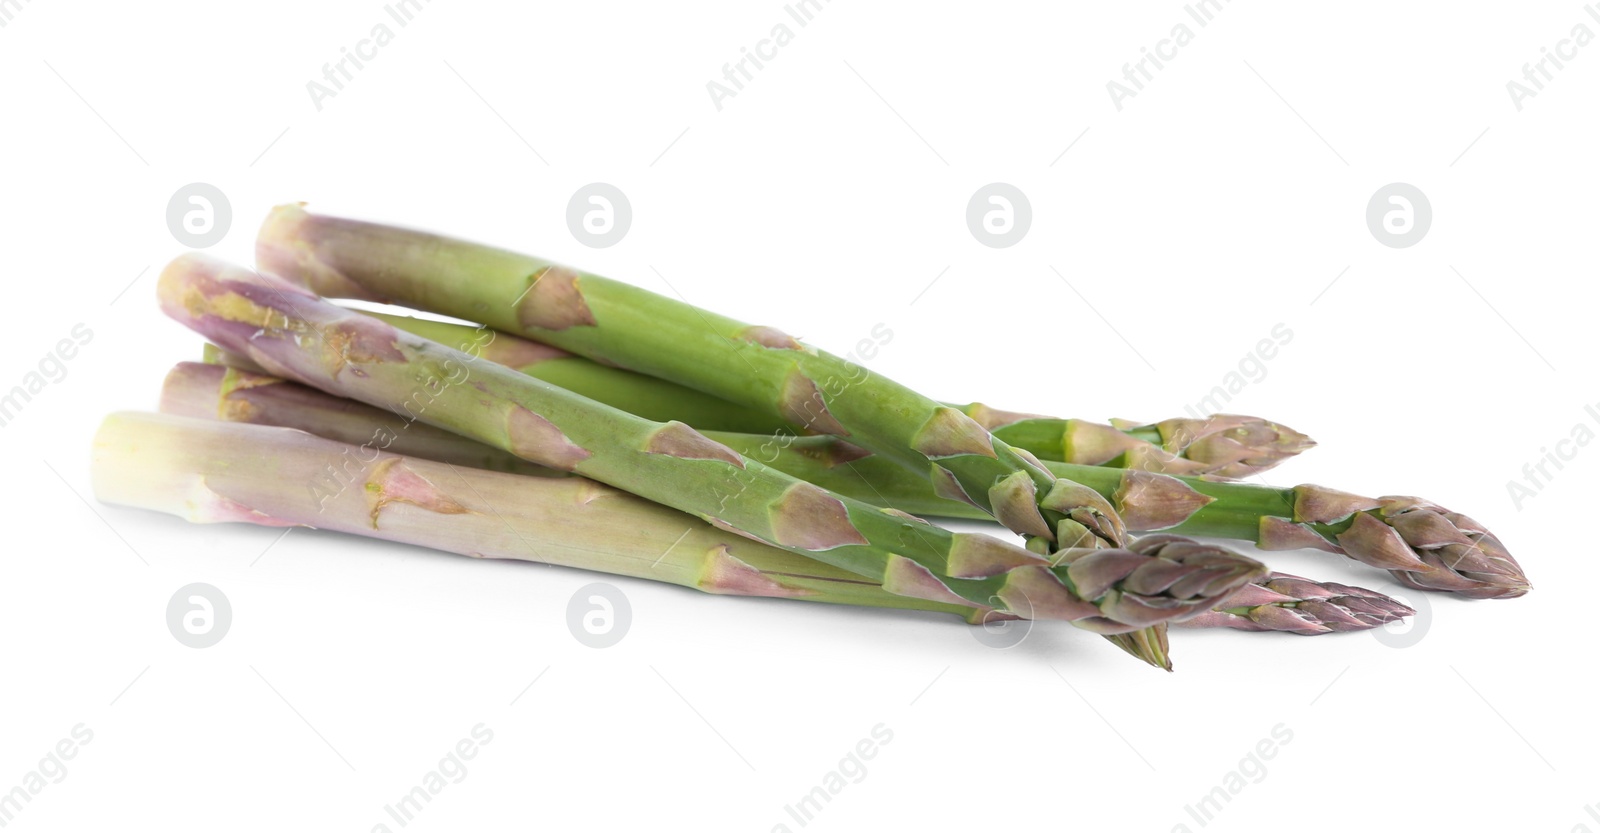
(1291, 604)
(1421, 543)
(1155, 579)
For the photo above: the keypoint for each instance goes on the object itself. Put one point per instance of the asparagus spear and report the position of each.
(1292, 604)
(227, 392)
(1225, 445)
(1422, 544)
(298, 336)
(1283, 603)
(760, 367)
(1222, 445)
(211, 472)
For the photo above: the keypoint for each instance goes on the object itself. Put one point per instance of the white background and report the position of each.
(826, 197)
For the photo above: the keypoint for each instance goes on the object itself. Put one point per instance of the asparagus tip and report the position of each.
(1291, 604)
(1423, 544)
(1148, 644)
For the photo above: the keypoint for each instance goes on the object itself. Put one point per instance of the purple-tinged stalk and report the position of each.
(232, 394)
(212, 472)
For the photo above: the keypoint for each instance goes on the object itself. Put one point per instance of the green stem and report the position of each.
(1226, 446)
(645, 396)
(624, 326)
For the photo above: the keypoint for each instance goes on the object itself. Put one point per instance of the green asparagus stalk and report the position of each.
(760, 367)
(1423, 545)
(298, 336)
(1284, 603)
(1224, 445)
(646, 396)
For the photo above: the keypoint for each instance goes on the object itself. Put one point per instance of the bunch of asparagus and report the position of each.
(589, 423)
